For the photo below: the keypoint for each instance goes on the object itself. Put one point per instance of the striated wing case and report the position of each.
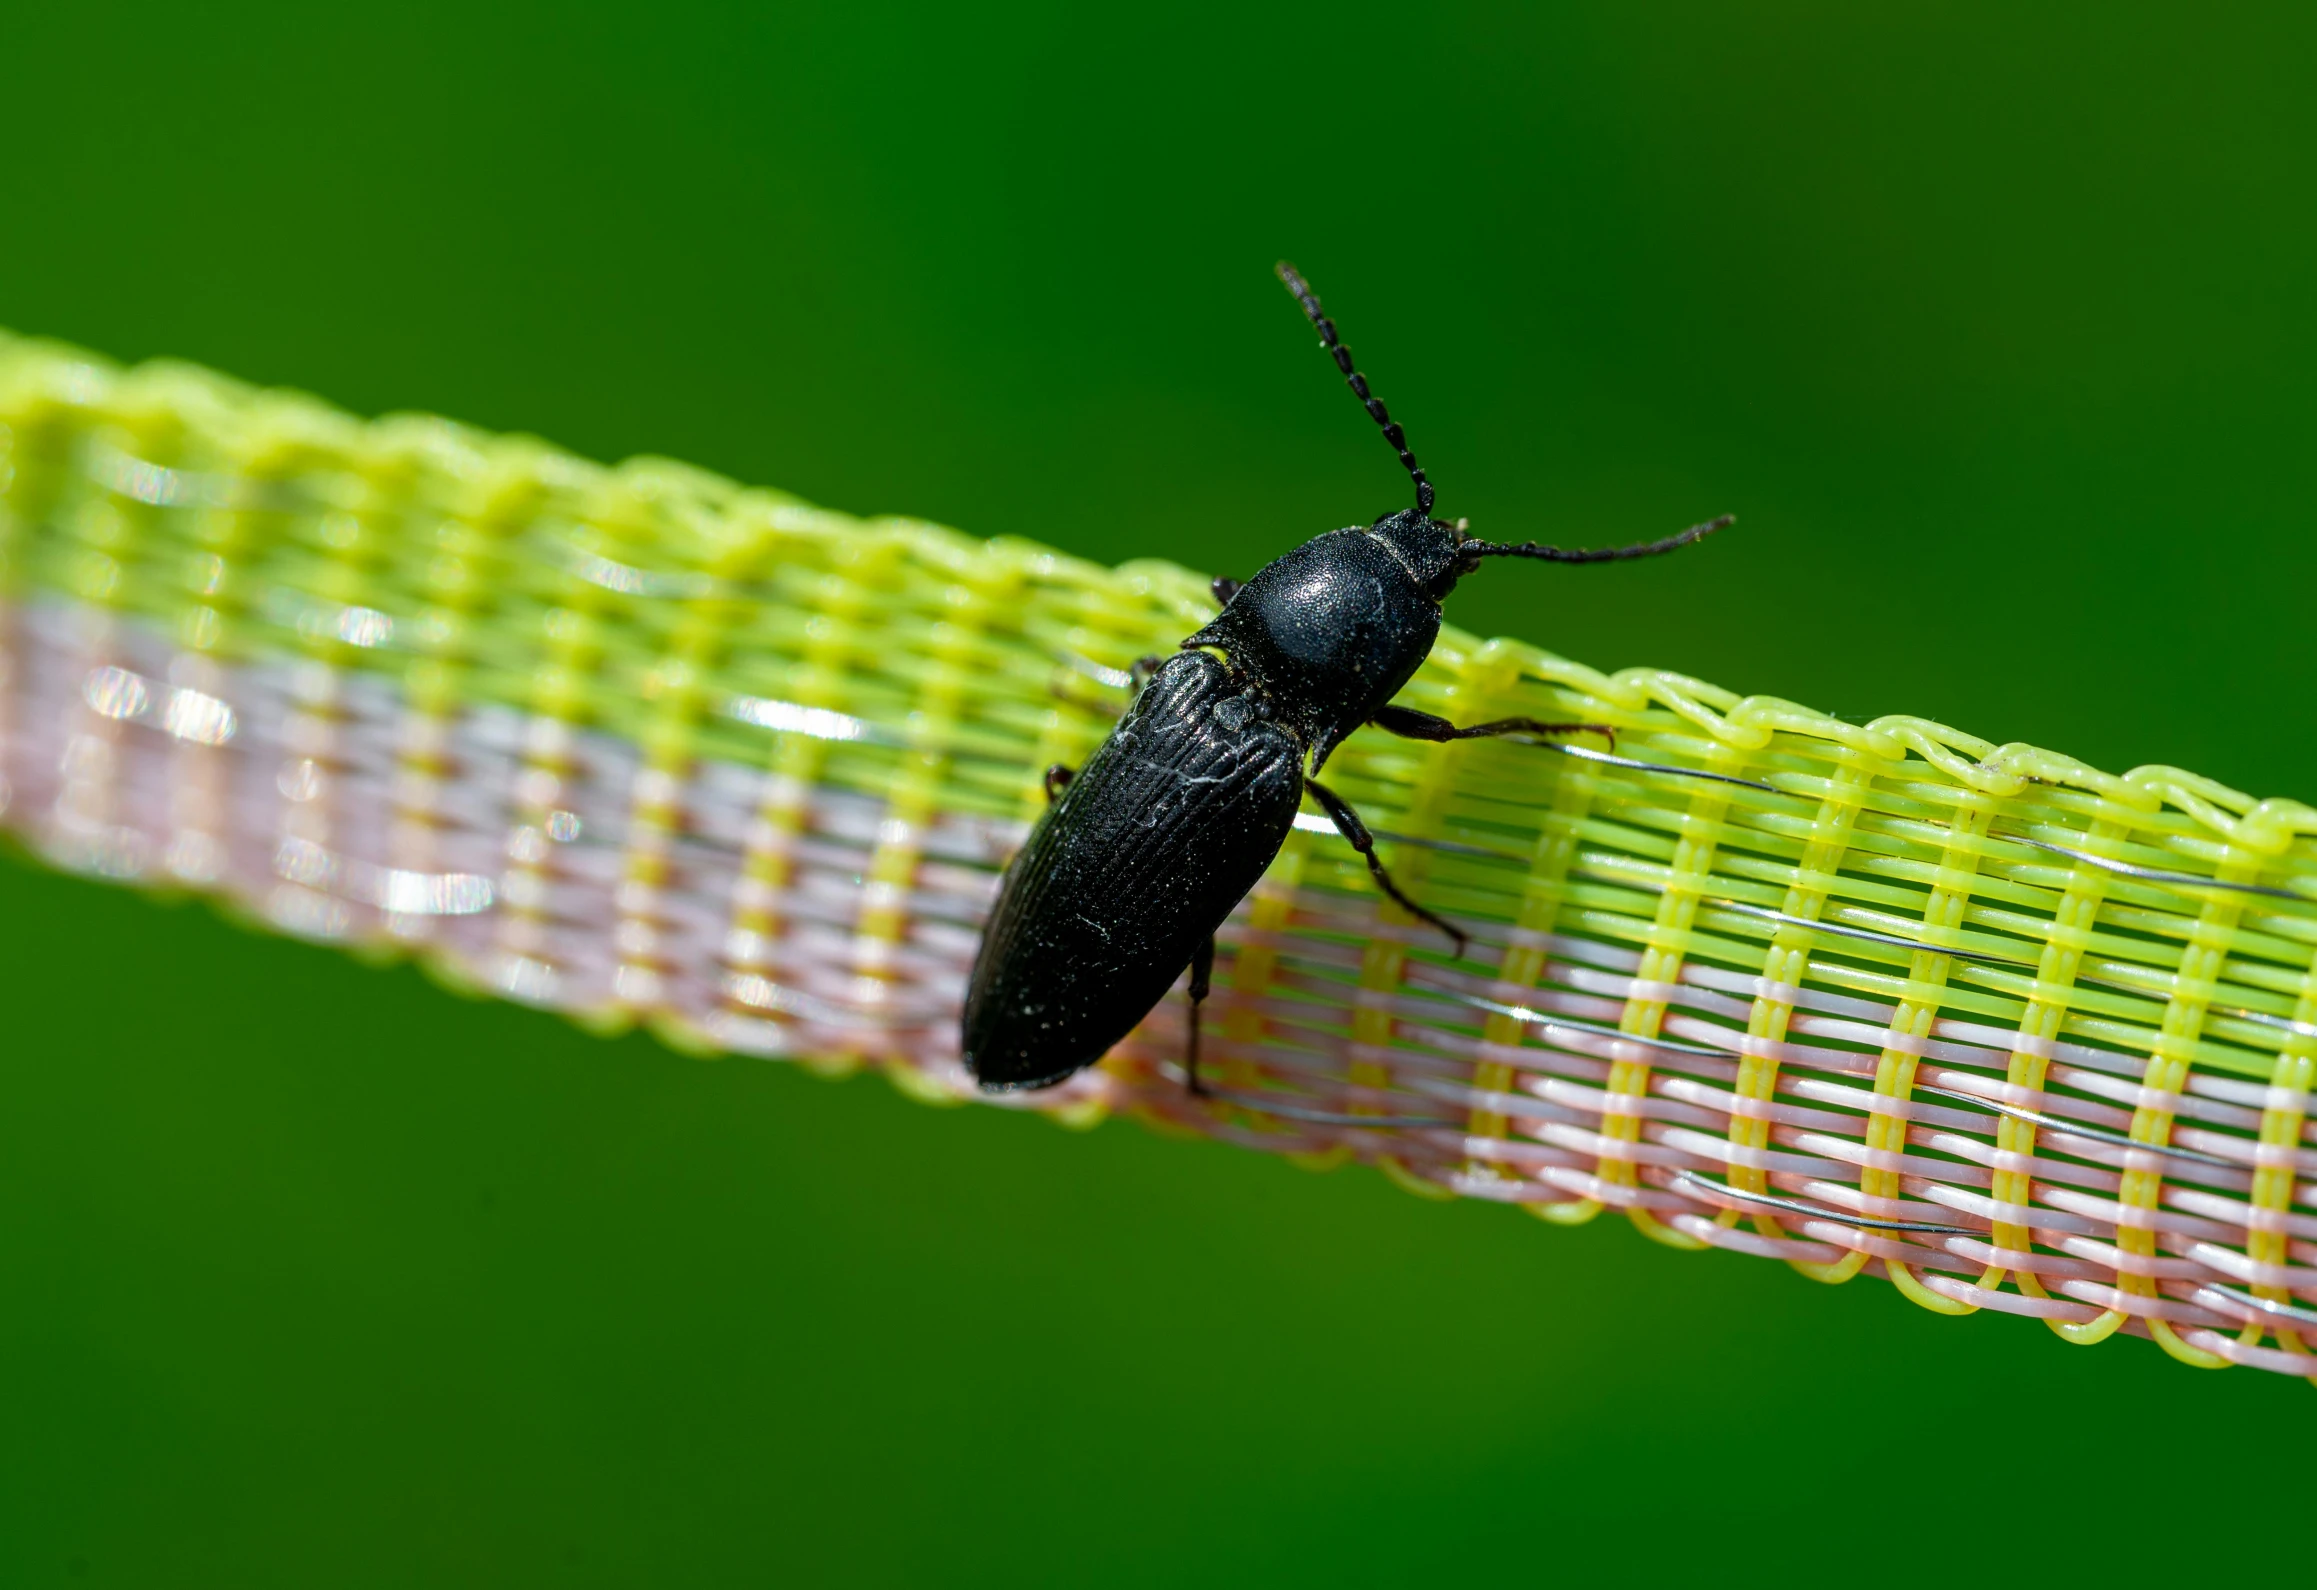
(1163, 831)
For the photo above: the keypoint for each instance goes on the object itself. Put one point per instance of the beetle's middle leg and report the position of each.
(1409, 724)
(1202, 980)
(1347, 823)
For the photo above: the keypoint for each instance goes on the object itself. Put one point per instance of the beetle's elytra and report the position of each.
(1145, 851)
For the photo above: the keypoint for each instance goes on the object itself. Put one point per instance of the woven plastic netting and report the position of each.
(639, 745)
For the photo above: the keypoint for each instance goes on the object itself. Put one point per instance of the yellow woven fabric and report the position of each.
(640, 745)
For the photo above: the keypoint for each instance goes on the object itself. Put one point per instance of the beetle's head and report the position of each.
(1429, 548)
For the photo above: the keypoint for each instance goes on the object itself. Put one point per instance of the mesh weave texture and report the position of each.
(641, 746)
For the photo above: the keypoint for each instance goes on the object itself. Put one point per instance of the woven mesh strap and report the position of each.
(639, 745)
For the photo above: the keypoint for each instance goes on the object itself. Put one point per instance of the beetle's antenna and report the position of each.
(1639, 549)
(1359, 383)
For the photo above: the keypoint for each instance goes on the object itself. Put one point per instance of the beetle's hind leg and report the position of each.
(1144, 667)
(1058, 779)
(1202, 981)
(1409, 724)
(1347, 823)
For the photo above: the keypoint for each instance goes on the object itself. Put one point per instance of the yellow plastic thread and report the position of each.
(1783, 971)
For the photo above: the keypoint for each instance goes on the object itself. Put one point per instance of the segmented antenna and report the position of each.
(1359, 383)
(1639, 549)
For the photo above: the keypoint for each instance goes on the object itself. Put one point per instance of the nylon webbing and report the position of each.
(642, 746)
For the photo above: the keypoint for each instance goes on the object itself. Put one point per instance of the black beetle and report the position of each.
(1142, 855)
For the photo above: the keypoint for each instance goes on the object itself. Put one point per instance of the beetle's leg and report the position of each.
(1058, 779)
(1410, 724)
(1202, 979)
(1224, 588)
(1143, 668)
(1355, 832)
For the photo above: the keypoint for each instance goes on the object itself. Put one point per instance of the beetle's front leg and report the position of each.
(1202, 980)
(1347, 823)
(1409, 724)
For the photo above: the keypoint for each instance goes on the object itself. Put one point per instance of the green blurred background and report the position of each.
(1994, 323)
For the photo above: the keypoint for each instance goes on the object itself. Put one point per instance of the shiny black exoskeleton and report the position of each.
(1144, 852)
